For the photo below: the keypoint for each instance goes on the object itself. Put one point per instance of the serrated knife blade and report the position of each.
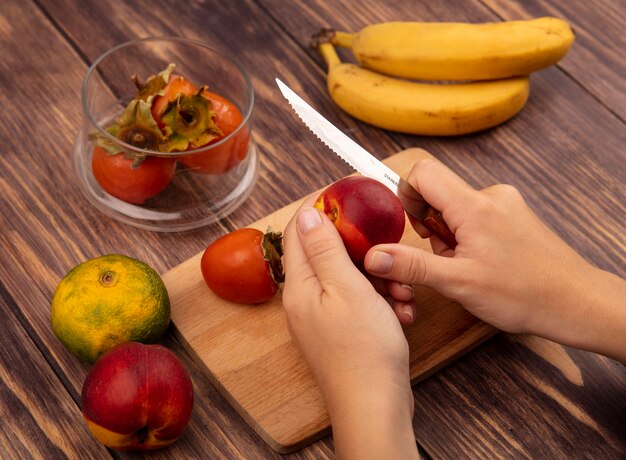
(367, 164)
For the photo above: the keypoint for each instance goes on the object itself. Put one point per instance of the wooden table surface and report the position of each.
(514, 396)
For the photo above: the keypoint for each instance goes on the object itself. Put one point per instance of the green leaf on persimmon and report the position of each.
(154, 85)
(188, 123)
(135, 126)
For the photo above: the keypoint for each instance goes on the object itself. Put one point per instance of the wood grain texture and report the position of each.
(262, 48)
(39, 418)
(565, 151)
(249, 355)
(498, 401)
(46, 227)
(596, 60)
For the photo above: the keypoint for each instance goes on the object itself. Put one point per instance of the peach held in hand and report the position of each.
(365, 212)
(137, 397)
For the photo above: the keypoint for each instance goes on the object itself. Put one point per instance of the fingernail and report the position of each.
(408, 288)
(407, 310)
(381, 262)
(308, 219)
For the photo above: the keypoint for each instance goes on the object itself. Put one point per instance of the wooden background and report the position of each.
(512, 397)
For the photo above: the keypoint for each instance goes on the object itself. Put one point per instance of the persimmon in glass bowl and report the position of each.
(166, 141)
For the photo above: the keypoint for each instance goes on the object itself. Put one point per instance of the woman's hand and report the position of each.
(351, 339)
(508, 269)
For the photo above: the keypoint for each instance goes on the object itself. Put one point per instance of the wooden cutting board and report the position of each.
(247, 352)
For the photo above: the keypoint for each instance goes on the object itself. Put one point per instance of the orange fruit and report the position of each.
(106, 301)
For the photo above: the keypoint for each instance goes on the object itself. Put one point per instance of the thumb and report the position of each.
(324, 248)
(410, 265)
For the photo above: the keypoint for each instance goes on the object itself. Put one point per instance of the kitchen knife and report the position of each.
(368, 165)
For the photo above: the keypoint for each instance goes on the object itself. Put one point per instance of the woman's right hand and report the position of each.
(508, 268)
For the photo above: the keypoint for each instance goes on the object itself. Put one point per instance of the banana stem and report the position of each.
(343, 39)
(329, 54)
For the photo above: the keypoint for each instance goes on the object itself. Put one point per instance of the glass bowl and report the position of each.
(174, 164)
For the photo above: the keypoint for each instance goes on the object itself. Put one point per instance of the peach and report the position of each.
(365, 212)
(137, 397)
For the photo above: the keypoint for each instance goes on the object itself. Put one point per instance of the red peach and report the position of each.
(365, 212)
(137, 397)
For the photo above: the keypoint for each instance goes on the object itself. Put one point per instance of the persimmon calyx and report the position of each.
(134, 126)
(154, 85)
(272, 246)
(188, 121)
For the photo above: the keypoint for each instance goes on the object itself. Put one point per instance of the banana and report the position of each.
(458, 51)
(419, 108)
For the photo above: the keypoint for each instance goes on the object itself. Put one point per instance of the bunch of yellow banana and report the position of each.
(499, 55)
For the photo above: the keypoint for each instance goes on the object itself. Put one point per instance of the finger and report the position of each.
(392, 290)
(400, 292)
(410, 265)
(379, 284)
(405, 311)
(299, 274)
(419, 227)
(324, 249)
(440, 186)
(440, 248)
